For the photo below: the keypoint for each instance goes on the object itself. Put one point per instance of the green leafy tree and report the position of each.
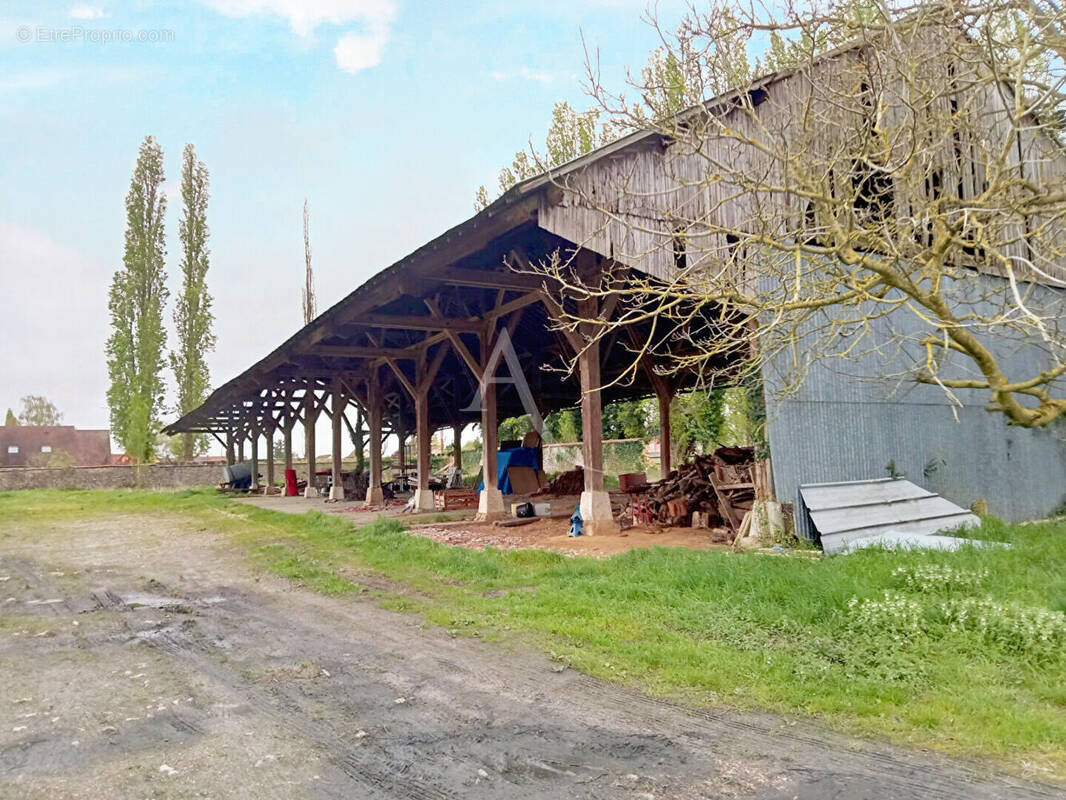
(138, 294)
(696, 422)
(514, 428)
(628, 419)
(192, 314)
(11, 419)
(571, 134)
(39, 411)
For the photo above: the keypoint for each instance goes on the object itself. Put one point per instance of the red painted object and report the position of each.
(290, 483)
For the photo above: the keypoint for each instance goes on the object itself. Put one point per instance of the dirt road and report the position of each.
(145, 658)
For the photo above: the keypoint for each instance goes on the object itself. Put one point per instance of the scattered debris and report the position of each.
(454, 499)
(892, 512)
(577, 523)
(514, 523)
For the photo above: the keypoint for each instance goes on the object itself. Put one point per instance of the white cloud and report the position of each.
(86, 11)
(355, 50)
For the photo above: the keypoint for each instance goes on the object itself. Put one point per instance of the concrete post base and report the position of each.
(310, 492)
(596, 516)
(336, 492)
(490, 504)
(423, 500)
(375, 496)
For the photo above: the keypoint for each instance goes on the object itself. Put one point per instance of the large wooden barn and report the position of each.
(414, 346)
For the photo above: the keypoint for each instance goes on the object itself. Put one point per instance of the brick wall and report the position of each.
(153, 476)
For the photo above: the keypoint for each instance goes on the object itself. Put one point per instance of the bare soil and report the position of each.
(552, 534)
(144, 657)
(545, 533)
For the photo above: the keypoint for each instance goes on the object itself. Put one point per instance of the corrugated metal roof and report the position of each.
(844, 513)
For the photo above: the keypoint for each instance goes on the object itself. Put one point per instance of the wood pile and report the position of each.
(718, 488)
(572, 482)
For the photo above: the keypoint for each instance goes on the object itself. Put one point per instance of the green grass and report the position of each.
(746, 630)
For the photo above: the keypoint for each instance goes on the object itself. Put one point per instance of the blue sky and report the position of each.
(385, 114)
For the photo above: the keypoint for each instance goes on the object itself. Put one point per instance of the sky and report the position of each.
(386, 115)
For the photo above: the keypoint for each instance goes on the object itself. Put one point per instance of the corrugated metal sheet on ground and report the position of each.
(843, 513)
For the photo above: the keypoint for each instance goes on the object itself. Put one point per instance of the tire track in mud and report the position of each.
(633, 733)
(396, 709)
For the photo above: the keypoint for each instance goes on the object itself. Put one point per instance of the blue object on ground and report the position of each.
(576, 522)
(514, 457)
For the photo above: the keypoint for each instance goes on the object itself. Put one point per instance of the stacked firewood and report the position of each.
(572, 482)
(718, 487)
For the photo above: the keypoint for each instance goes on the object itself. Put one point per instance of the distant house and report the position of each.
(19, 444)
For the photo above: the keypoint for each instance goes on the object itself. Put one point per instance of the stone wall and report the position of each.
(153, 476)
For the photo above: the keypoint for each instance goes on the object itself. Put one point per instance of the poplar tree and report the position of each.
(138, 294)
(192, 315)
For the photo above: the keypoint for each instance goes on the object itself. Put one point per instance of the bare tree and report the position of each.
(895, 190)
(309, 278)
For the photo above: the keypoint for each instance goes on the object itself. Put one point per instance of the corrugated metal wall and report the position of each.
(845, 424)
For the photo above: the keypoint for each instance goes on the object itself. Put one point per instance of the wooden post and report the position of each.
(255, 459)
(240, 447)
(230, 458)
(423, 435)
(664, 393)
(425, 372)
(664, 396)
(310, 418)
(596, 514)
(268, 434)
(457, 445)
(286, 432)
(357, 440)
(338, 401)
(374, 493)
(490, 502)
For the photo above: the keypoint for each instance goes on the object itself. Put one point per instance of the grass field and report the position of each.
(964, 652)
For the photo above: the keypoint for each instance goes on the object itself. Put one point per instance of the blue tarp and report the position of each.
(515, 457)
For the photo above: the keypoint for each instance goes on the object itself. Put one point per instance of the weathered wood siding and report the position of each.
(643, 205)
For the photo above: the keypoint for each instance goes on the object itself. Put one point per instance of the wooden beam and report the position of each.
(556, 312)
(433, 368)
(591, 406)
(353, 351)
(311, 411)
(465, 354)
(417, 323)
(410, 387)
(514, 305)
(337, 406)
(488, 279)
(456, 341)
